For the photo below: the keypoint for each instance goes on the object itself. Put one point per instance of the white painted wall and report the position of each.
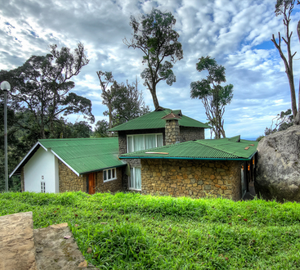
(42, 164)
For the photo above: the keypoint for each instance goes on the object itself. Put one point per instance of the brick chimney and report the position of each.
(172, 131)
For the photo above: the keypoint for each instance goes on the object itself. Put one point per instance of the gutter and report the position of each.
(102, 169)
(188, 158)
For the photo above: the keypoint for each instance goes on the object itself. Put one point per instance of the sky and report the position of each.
(236, 33)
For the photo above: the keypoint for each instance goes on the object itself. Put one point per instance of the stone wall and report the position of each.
(22, 180)
(68, 180)
(172, 132)
(113, 185)
(191, 134)
(195, 178)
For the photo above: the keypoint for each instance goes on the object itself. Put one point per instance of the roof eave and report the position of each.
(155, 128)
(187, 158)
(92, 171)
(38, 144)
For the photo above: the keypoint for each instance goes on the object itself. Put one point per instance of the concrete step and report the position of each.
(49, 248)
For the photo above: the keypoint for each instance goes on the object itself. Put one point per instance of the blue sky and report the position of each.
(236, 33)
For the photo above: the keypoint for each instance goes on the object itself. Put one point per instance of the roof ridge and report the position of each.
(194, 119)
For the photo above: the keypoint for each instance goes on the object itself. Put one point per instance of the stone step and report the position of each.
(17, 249)
(51, 248)
(56, 249)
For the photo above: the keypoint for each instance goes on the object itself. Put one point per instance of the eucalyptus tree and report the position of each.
(41, 89)
(154, 35)
(285, 8)
(214, 96)
(124, 101)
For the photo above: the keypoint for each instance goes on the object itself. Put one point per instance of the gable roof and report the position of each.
(154, 120)
(80, 155)
(222, 149)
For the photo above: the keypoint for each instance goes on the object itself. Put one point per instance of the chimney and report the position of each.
(172, 131)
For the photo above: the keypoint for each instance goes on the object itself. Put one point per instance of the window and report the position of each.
(143, 142)
(43, 187)
(109, 175)
(135, 179)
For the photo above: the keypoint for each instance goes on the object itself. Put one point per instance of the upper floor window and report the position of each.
(143, 142)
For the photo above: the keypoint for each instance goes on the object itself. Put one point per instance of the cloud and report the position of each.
(236, 33)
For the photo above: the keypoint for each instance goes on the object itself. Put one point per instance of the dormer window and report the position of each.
(143, 142)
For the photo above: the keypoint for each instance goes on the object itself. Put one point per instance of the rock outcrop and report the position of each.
(278, 167)
(17, 250)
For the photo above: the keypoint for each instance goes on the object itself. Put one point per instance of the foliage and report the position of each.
(283, 121)
(260, 138)
(133, 231)
(285, 8)
(101, 129)
(214, 96)
(79, 129)
(154, 35)
(41, 90)
(124, 101)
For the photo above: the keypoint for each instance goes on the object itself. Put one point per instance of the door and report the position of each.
(92, 184)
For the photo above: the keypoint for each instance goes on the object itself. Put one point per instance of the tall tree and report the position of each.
(128, 102)
(124, 101)
(101, 129)
(214, 96)
(106, 80)
(285, 8)
(154, 35)
(42, 85)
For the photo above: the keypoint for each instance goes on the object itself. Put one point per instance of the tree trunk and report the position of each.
(297, 119)
(110, 116)
(154, 97)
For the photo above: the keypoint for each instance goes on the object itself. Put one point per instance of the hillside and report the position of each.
(132, 231)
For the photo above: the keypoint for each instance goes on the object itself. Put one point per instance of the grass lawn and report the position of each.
(132, 231)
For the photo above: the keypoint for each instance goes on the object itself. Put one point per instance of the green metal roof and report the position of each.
(222, 149)
(85, 155)
(153, 120)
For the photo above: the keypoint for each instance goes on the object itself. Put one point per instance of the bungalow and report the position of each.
(59, 165)
(161, 152)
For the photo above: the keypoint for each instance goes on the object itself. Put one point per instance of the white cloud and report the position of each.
(236, 33)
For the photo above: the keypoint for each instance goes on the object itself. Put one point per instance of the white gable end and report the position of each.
(41, 172)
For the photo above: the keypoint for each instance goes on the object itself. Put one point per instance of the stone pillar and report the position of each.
(172, 131)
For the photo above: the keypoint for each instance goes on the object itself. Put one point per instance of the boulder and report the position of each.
(278, 166)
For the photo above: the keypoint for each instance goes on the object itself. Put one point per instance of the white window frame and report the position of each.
(134, 177)
(43, 187)
(111, 173)
(133, 135)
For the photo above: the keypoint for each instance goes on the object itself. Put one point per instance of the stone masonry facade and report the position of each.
(172, 130)
(22, 180)
(110, 186)
(68, 180)
(193, 178)
(191, 134)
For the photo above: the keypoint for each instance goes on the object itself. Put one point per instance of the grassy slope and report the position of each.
(130, 231)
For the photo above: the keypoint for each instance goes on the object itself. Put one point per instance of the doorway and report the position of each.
(91, 183)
